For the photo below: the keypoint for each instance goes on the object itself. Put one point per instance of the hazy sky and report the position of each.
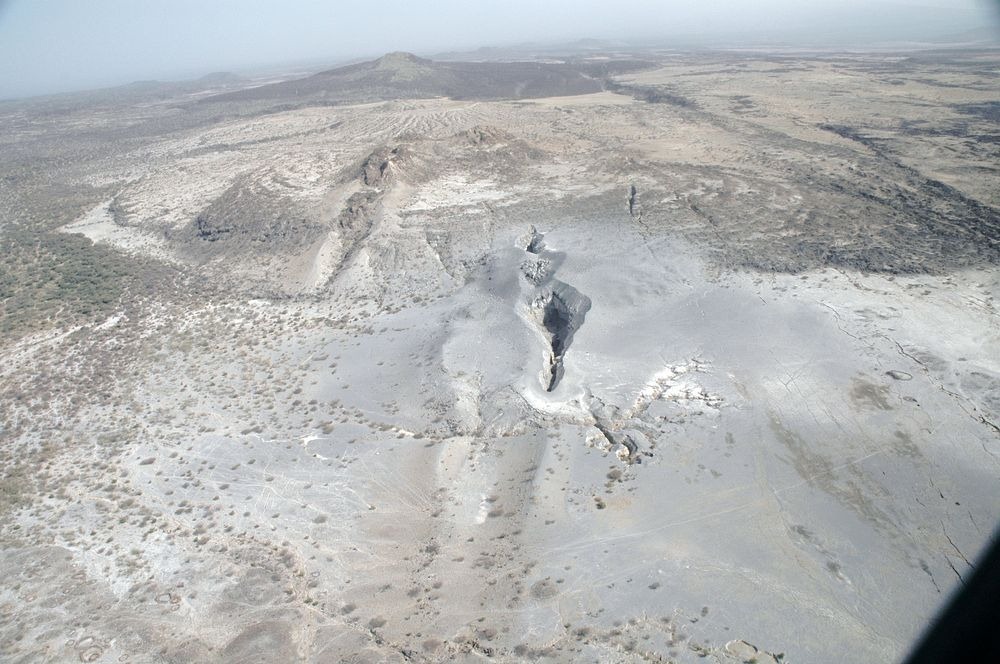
(58, 45)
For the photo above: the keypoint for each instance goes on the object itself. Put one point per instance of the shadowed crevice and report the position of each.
(563, 312)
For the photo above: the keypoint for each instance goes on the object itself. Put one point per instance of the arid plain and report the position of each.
(657, 357)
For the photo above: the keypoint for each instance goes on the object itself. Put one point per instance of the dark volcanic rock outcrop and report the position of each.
(379, 168)
(249, 215)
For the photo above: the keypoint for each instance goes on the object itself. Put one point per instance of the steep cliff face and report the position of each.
(563, 310)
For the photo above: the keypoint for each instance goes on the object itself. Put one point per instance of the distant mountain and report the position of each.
(539, 50)
(221, 78)
(404, 75)
(148, 91)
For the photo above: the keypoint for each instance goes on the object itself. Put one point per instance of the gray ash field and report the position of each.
(652, 358)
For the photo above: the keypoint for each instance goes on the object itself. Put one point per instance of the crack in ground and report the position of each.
(563, 308)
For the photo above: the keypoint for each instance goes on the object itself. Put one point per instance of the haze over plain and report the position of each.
(60, 45)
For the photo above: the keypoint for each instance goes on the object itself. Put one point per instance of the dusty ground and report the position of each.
(700, 366)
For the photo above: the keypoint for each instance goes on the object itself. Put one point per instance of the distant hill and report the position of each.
(136, 92)
(221, 78)
(404, 75)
